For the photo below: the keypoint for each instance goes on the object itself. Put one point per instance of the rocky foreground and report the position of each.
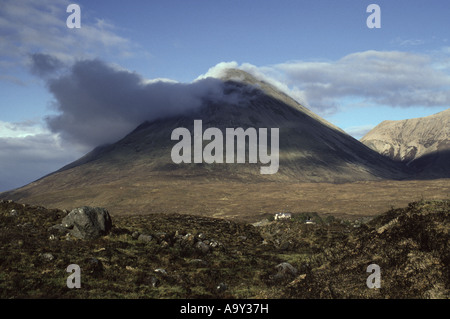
(183, 256)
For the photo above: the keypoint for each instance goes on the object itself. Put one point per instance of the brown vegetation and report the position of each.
(286, 259)
(239, 200)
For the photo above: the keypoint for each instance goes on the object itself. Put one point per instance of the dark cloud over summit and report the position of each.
(99, 103)
(44, 65)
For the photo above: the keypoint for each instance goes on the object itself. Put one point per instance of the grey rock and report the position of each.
(285, 245)
(188, 240)
(93, 265)
(58, 229)
(144, 238)
(222, 287)
(198, 262)
(213, 243)
(47, 256)
(164, 244)
(285, 271)
(178, 238)
(155, 281)
(161, 236)
(26, 225)
(135, 235)
(202, 247)
(161, 271)
(88, 222)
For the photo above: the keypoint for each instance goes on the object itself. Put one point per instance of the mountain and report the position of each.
(310, 150)
(422, 143)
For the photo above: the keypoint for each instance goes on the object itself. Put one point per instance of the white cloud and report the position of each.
(218, 70)
(274, 77)
(408, 42)
(390, 78)
(21, 129)
(28, 27)
(387, 78)
(266, 74)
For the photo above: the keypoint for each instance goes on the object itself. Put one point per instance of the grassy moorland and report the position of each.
(234, 260)
(236, 200)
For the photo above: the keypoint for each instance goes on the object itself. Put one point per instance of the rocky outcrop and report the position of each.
(187, 242)
(87, 222)
(410, 245)
(422, 143)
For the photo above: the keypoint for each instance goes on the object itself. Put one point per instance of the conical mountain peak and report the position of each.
(237, 75)
(309, 148)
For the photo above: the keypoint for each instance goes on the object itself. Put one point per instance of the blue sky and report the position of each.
(320, 52)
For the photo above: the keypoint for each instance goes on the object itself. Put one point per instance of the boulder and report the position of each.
(285, 271)
(155, 281)
(58, 230)
(93, 266)
(46, 256)
(198, 262)
(135, 235)
(202, 247)
(88, 222)
(161, 271)
(222, 287)
(213, 243)
(145, 238)
(188, 240)
(13, 213)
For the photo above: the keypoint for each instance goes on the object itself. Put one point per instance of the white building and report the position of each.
(281, 216)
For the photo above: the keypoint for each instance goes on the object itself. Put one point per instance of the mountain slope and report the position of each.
(421, 143)
(310, 149)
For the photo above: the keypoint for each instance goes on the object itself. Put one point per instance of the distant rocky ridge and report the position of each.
(421, 143)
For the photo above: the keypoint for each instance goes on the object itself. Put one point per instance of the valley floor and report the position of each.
(237, 200)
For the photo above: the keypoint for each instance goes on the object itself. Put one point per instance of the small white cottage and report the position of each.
(281, 216)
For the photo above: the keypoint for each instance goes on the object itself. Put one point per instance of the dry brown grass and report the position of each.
(244, 201)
